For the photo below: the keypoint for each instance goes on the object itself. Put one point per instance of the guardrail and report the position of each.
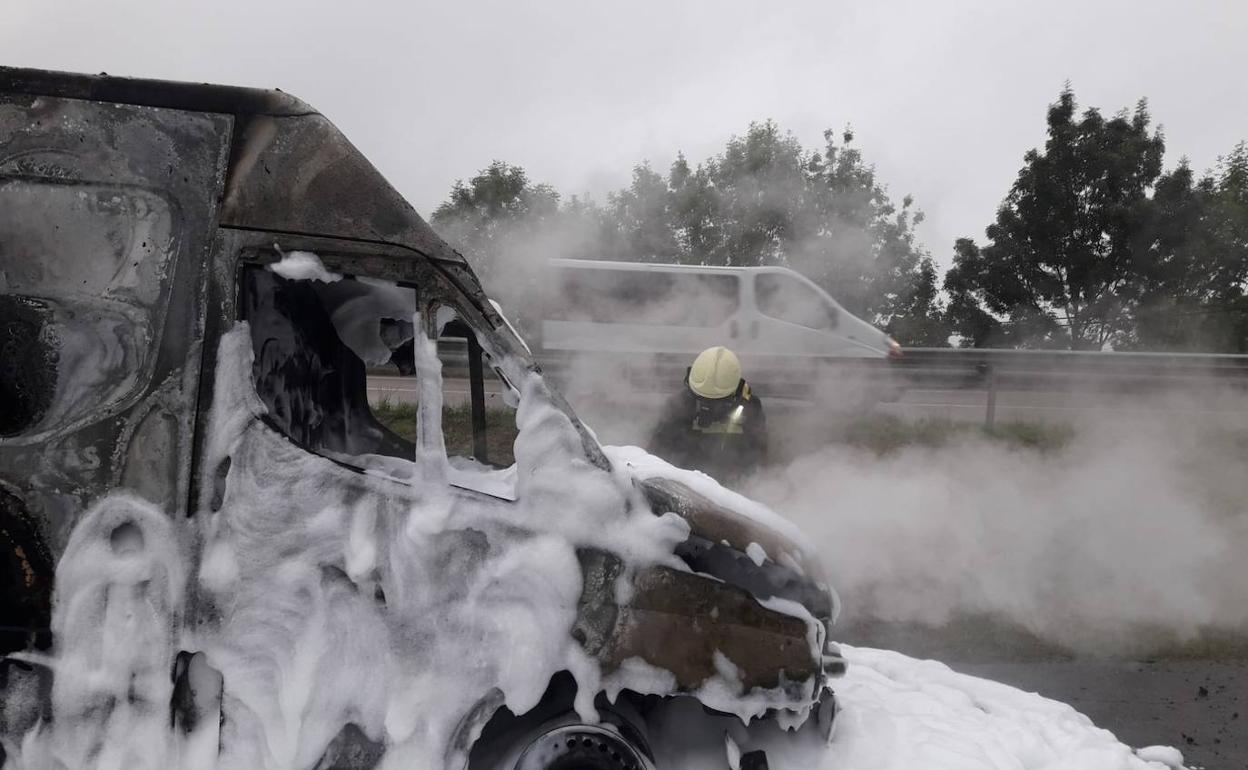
(1065, 371)
(991, 371)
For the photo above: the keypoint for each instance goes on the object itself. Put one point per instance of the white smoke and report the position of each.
(1128, 539)
(1125, 541)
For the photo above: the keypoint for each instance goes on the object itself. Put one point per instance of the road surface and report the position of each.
(1199, 707)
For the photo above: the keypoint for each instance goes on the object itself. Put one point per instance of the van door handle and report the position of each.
(754, 329)
(732, 329)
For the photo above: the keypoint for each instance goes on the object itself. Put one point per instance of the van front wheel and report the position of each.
(581, 747)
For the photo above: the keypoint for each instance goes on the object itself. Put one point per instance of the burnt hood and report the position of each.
(738, 549)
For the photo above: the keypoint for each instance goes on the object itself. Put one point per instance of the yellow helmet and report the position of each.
(715, 373)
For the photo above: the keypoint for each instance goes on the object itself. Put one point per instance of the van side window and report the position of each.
(336, 367)
(787, 299)
(478, 413)
(649, 297)
(314, 342)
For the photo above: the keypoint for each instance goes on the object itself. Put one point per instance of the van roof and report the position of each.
(199, 97)
(290, 169)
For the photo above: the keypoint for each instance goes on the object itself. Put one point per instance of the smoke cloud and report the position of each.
(1129, 539)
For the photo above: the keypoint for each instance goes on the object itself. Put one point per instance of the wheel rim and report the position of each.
(581, 747)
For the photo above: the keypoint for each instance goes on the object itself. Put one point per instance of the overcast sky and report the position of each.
(944, 97)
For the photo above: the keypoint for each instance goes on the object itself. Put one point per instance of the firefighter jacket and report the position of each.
(723, 437)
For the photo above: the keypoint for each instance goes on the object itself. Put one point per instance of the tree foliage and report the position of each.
(1060, 268)
(495, 209)
(763, 200)
(1095, 246)
(1194, 266)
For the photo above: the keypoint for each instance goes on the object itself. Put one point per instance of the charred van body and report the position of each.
(141, 223)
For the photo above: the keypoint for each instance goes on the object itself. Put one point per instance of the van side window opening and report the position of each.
(477, 415)
(651, 297)
(335, 367)
(787, 299)
(313, 343)
(478, 412)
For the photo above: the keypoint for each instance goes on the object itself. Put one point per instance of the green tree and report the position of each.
(639, 220)
(1061, 268)
(507, 226)
(764, 200)
(865, 252)
(760, 187)
(495, 210)
(1195, 265)
(693, 208)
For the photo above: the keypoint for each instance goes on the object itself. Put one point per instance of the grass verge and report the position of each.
(883, 434)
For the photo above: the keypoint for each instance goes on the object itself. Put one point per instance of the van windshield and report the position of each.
(311, 372)
(787, 299)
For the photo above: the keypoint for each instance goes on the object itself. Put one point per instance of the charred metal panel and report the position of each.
(27, 363)
(25, 579)
(596, 609)
(106, 214)
(679, 621)
(150, 468)
(194, 97)
(290, 169)
(715, 522)
(301, 175)
(718, 543)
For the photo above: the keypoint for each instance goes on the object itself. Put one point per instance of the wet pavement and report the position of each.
(1199, 707)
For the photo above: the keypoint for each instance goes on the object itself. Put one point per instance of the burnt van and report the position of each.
(215, 551)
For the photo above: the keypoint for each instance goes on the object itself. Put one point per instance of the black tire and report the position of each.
(552, 737)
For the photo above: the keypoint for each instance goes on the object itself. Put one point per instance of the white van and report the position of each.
(778, 322)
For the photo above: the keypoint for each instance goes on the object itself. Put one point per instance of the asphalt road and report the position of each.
(1200, 707)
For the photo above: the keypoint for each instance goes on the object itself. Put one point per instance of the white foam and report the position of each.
(303, 266)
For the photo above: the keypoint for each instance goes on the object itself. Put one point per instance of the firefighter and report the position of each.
(714, 424)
